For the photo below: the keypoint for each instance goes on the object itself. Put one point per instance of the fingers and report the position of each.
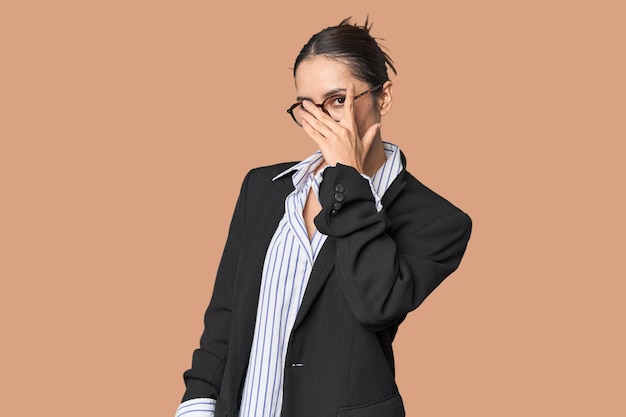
(317, 119)
(317, 137)
(348, 106)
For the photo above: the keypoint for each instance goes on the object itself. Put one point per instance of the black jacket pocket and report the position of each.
(389, 407)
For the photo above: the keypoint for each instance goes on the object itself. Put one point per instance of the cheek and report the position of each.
(366, 116)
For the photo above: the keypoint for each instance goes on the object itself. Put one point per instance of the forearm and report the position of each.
(386, 273)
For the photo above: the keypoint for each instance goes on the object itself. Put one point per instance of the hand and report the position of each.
(338, 141)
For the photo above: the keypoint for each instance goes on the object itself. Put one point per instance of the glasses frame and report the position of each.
(334, 96)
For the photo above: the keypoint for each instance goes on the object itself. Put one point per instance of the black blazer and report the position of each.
(373, 269)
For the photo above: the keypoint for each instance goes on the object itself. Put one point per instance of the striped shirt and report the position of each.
(286, 270)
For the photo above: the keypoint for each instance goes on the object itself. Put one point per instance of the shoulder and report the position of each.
(270, 170)
(427, 195)
(423, 204)
(259, 180)
(414, 196)
(265, 174)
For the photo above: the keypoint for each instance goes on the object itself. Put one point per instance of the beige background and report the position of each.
(126, 128)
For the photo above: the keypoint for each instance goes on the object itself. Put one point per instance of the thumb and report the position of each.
(369, 136)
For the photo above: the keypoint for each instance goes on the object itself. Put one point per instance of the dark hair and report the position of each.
(353, 45)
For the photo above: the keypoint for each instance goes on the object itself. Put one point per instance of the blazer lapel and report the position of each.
(261, 225)
(323, 267)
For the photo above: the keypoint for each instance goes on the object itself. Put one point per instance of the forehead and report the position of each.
(317, 75)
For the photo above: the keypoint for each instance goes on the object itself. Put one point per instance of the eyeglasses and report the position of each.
(332, 106)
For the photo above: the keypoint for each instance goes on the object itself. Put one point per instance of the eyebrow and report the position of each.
(328, 94)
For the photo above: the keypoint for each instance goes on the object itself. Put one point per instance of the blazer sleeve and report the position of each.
(203, 379)
(384, 274)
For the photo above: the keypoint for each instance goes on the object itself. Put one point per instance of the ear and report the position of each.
(385, 98)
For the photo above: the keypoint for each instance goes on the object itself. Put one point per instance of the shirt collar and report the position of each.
(302, 169)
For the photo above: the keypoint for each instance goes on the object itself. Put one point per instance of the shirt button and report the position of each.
(339, 197)
(339, 188)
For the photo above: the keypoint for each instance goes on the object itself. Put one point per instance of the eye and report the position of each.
(336, 102)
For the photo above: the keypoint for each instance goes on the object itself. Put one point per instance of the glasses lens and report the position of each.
(334, 106)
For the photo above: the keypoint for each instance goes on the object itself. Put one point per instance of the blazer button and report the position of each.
(339, 188)
(337, 206)
(339, 197)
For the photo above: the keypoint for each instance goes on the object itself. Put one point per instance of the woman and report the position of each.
(325, 257)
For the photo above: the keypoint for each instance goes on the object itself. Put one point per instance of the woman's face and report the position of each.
(319, 77)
